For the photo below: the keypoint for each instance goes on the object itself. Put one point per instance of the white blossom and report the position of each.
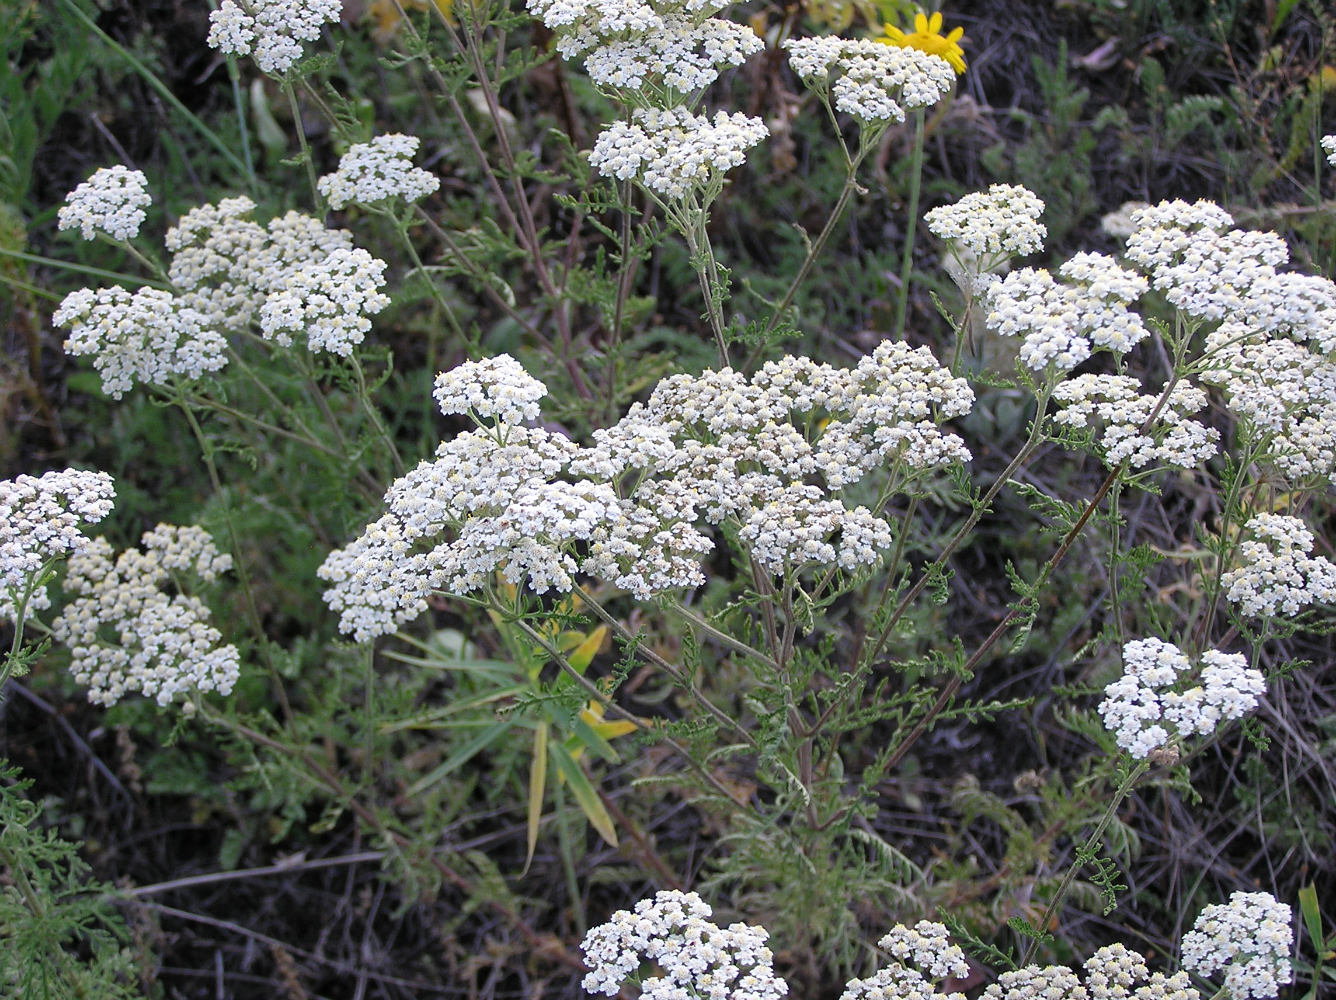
(1276, 574)
(271, 31)
(1249, 939)
(42, 518)
(1115, 404)
(1329, 146)
(126, 634)
(329, 300)
(682, 55)
(112, 202)
(673, 152)
(1155, 699)
(150, 336)
(873, 82)
(987, 227)
(378, 171)
(496, 387)
(695, 957)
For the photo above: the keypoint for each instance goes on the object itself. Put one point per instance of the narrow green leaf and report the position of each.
(585, 735)
(585, 795)
(1312, 914)
(537, 786)
(460, 757)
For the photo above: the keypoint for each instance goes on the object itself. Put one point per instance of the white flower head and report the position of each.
(271, 31)
(1249, 938)
(992, 225)
(1115, 404)
(1151, 702)
(150, 336)
(42, 518)
(124, 631)
(671, 152)
(682, 56)
(112, 202)
(873, 83)
(694, 956)
(1329, 146)
(1276, 574)
(378, 171)
(329, 300)
(496, 387)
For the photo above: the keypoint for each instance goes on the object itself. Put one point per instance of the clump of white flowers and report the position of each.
(291, 276)
(673, 152)
(1063, 322)
(1115, 402)
(923, 954)
(1329, 145)
(1150, 705)
(329, 300)
(691, 956)
(683, 57)
(657, 59)
(1276, 574)
(766, 457)
(112, 201)
(270, 30)
(1112, 973)
(873, 83)
(1249, 938)
(151, 337)
(42, 519)
(126, 634)
(378, 171)
(986, 228)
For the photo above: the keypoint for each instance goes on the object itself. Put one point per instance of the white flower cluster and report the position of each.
(1276, 574)
(635, 506)
(1284, 392)
(42, 518)
(1147, 706)
(496, 387)
(985, 228)
(1249, 938)
(126, 634)
(150, 336)
(580, 25)
(270, 30)
(329, 300)
(673, 152)
(1063, 323)
(693, 956)
(112, 201)
(1112, 973)
(874, 83)
(378, 171)
(1116, 402)
(226, 264)
(684, 55)
(1329, 146)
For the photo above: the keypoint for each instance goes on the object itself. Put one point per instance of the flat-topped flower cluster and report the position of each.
(693, 956)
(763, 458)
(291, 277)
(42, 519)
(270, 31)
(871, 82)
(126, 633)
(657, 59)
(1152, 704)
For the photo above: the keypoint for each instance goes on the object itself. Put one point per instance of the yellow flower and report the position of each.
(927, 37)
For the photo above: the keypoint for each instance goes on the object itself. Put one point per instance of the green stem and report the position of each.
(1091, 845)
(162, 90)
(291, 94)
(911, 225)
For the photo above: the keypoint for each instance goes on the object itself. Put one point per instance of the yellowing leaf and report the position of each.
(587, 649)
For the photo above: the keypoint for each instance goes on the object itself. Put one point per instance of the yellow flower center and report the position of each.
(927, 37)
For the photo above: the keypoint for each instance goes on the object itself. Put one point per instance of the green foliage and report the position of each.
(63, 936)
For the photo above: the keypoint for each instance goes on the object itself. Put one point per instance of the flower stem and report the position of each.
(911, 225)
